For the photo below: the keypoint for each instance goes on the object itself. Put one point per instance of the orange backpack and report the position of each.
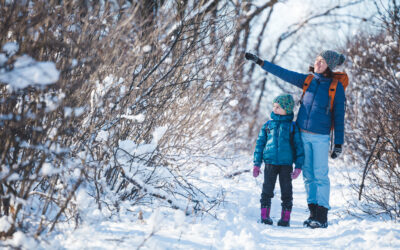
(337, 77)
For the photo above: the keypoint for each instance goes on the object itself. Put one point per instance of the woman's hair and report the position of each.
(327, 73)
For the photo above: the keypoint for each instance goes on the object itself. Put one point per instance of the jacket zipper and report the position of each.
(277, 144)
(309, 113)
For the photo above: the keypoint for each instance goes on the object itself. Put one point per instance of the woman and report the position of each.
(315, 119)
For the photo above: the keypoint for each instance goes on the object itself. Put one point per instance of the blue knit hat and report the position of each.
(332, 58)
(286, 101)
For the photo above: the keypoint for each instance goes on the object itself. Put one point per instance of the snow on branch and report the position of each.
(26, 71)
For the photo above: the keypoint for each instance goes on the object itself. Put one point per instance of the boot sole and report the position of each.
(319, 225)
(283, 225)
(265, 222)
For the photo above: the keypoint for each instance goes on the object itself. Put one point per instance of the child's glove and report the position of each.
(256, 171)
(337, 150)
(254, 58)
(296, 173)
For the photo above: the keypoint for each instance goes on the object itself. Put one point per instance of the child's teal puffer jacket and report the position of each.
(275, 147)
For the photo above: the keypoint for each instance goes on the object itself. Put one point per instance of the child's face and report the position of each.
(277, 109)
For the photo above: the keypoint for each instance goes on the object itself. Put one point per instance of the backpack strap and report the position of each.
(332, 92)
(306, 84)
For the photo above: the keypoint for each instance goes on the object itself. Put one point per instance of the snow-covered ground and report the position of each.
(236, 226)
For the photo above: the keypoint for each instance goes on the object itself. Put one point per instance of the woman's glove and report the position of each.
(254, 58)
(337, 150)
(256, 171)
(296, 173)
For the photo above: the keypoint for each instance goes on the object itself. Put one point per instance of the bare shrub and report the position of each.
(373, 119)
(131, 115)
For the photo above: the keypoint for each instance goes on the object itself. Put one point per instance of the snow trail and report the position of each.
(236, 227)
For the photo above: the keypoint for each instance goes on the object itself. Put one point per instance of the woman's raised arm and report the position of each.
(291, 77)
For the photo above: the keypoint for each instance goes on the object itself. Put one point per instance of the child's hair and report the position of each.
(327, 73)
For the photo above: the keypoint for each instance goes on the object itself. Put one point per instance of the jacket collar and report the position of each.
(321, 78)
(276, 117)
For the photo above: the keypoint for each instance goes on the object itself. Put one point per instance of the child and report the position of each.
(279, 145)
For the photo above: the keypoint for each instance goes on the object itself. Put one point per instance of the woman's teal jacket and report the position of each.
(279, 143)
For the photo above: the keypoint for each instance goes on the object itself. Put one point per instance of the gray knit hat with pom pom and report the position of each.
(332, 58)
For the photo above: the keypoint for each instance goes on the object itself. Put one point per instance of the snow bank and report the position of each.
(5, 224)
(11, 48)
(20, 240)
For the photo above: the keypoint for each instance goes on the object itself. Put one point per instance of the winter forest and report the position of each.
(131, 124)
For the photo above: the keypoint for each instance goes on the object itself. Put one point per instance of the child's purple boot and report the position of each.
(285, 218)
(265, 215)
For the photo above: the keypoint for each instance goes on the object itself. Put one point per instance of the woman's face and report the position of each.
(320, 65)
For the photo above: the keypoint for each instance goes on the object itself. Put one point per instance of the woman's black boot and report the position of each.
(321, 220)
(312, 208)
